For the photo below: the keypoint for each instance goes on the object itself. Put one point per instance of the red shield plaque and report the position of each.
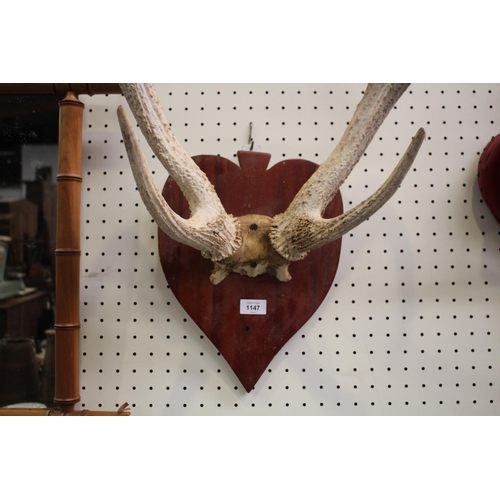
(247, 338)
(488, 177)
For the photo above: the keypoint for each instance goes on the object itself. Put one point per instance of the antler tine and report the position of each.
(301, 227)
(209, 229)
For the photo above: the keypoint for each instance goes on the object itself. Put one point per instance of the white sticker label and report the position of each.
(253, 306)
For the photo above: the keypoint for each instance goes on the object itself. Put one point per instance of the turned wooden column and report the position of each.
(67, 317)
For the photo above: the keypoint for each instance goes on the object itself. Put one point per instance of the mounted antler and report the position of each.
(301, 228)
(255, 244)
(210, 229)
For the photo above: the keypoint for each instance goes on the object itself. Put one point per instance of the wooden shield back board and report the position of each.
(249, 342)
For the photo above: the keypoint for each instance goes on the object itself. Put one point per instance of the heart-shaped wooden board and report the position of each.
(249, 342)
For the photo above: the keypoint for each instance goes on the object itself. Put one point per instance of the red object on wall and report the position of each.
(488, 177)
(249, 342)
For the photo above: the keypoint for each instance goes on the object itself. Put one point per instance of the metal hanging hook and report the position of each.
(250, 139)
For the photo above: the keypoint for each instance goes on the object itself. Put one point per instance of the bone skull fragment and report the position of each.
(256, 244)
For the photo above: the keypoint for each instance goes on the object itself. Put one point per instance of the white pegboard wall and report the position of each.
(410, 325)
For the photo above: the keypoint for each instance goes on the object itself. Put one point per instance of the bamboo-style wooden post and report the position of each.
(67, 316)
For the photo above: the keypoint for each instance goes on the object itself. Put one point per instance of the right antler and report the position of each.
(302, 228)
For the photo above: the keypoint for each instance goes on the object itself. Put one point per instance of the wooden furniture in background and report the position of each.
(67, 320)
(19, 316)
(19, 220)
(44, 195)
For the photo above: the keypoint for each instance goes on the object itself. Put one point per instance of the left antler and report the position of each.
(302, 228)
(209, 229)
